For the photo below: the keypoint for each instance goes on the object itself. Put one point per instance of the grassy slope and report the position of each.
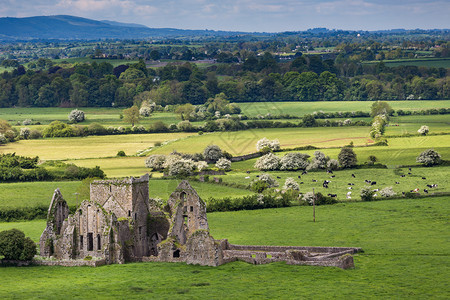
(30, 194)
(302, 108)
(88, 147)
(405, 243)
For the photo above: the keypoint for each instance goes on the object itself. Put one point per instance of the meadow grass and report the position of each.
(405, 244)
(32, 194)
(244, 142)
(410, 124)
(88, 147)
(252, 109)
(103, 115)
(339, 184)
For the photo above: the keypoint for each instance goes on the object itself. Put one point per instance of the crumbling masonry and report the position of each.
(121, 224)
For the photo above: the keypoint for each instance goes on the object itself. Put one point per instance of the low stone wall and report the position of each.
(245, 157)
(285, 248)
(70, 263)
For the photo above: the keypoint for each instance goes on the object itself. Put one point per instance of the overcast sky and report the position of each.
(247, 15)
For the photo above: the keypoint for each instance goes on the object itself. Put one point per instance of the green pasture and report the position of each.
(405, 245)
(252, 109)
(244, 142)
(105, 116)
(339, 183)
(400, 151)
(410, 124)
(420, 62)
(31, 194)
(115, 62)
(88, 147)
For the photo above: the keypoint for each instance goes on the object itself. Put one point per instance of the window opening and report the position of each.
(176, 253)
(90, 241)
(99, 242)
(81, 242)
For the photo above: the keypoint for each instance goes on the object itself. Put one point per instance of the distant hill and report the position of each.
(71, 27)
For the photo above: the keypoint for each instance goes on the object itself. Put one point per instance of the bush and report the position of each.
(185, 126)
(268, 162)
(121, 153)
(319, 161)
(424, 130)
(333, 165)
(3, 139)
(212, 153)
(223, 164)
(318, 198)
(76, 116)
(35, 134)
(366, 193)
(347, 157)
(387, 192)
(291, 184)
(15, 246)
(181, 168)
(97, 129)
(265, 143)
(58, 129)
(373, 158)
(201, 165)
(145, 111)
(429, 158)
(309, 121)
(155, 162)
(267, 179)
(27, 122)
(294, 161)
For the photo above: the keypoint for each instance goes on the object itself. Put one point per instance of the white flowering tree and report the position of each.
(223, 164)
(212, 153)
(182, 167)
(265, 143)
(268, 162)
(201, 165)
(294, 161)
(387, 192)
(319, 161)
(76, 116)
(423, 130)
(429, 158)
(155, 161)
(291, 184)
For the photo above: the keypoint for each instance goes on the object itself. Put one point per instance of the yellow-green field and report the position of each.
(88, 147)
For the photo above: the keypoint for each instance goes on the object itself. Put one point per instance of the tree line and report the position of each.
(257, 78)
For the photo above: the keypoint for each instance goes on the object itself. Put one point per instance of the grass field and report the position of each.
(88, 147)
(410, 124)
(104, 116)
(31, 194)
(421, 62)
(405, 243)
(253, 109)
(243, 142)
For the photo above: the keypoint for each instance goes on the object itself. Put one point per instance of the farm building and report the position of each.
(121, 224)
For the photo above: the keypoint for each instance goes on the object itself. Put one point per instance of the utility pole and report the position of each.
(314, 206)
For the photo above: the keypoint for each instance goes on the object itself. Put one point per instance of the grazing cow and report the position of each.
(257, 175)
(351, 184)
(299, 176)
(425, 190)
(349, 195)
(424, 178)
(248, 172)
(301, 182)
(304, 173)
(353, 175)
(375, 195)
(402, 175)
(314, 180)
(332, 176)
(329, 172)
(409, 173)
(416, 190)
(332, 195)
(376, 190)
(397, 182)
(349, 188)
(373, 183)
(278, 177)
(410, 169)
(403, 193)
(247, 177)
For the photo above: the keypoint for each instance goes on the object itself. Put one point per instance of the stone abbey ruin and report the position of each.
(121, 224)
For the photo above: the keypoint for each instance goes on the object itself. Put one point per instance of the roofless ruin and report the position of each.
(121, 224)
